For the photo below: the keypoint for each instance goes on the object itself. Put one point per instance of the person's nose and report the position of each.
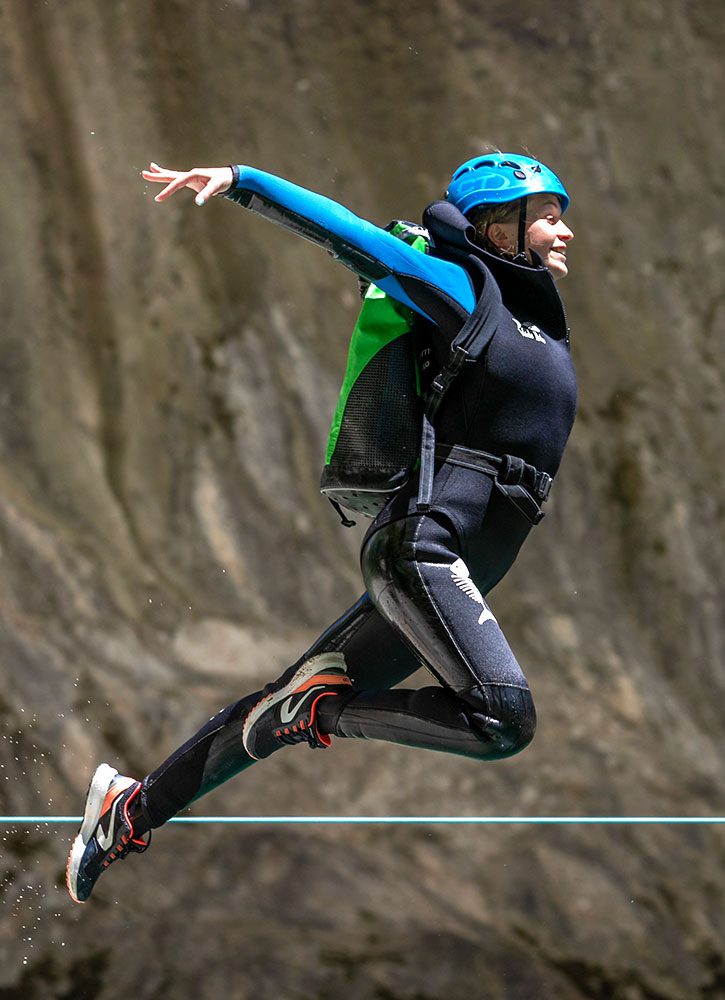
(563, 232)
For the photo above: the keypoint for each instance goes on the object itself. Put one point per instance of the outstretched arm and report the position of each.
(431, 286)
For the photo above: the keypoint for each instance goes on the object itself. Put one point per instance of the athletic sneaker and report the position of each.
(106, 833)
(287, 713)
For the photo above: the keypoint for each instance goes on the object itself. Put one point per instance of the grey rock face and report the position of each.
(167, 377)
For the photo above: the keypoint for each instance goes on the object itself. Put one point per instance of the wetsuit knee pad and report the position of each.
(507, 718)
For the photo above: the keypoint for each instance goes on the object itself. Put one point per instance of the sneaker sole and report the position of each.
(102, 778)
(316, 665)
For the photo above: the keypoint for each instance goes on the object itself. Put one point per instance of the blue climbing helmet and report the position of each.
(494, 178)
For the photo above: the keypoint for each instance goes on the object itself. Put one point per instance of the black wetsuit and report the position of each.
(427, 574)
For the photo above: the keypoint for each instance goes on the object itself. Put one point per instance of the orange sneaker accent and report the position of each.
(339, 680)
(111, 796)
(323, 737)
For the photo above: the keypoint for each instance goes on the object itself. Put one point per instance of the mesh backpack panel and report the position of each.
(375, 434)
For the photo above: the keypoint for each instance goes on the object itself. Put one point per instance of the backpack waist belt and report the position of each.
(512, 475)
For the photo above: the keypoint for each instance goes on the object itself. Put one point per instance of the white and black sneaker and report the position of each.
(288, 711)
(107, 832)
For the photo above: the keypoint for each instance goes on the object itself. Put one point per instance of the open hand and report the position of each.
(206, 181)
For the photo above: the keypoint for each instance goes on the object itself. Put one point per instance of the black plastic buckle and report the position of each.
(543, 485)
(515, 472)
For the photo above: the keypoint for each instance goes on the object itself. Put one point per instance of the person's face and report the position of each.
(546, 233)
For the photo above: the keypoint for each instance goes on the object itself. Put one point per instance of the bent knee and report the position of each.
(517, 733)
(508, 723)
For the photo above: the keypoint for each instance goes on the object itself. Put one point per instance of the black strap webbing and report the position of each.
(507, 469)
(469, 344)
(521, 249)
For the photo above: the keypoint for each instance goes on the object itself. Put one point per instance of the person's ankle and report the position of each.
(329, 710)
(139, 821)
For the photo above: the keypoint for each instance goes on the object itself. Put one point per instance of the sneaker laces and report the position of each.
(307, 729)
(308, 734)
(126, 845)
(128, 842)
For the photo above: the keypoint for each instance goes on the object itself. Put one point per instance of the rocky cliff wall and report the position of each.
(167, 376)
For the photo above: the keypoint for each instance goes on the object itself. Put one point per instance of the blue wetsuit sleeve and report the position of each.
(418, 280)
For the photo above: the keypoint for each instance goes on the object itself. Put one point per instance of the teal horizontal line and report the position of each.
(401, 820)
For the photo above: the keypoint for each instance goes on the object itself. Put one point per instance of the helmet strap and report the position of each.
(522, 227)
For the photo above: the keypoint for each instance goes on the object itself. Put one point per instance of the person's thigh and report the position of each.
(420, 584)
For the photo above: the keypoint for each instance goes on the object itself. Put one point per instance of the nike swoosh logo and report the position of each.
(105, 841)
(288, 710)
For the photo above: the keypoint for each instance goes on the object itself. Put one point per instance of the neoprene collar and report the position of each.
(528, 290)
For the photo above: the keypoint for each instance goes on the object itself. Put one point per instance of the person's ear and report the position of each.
(498, 236)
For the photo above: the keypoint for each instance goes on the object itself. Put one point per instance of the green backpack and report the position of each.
(384, 425)
(374, 442)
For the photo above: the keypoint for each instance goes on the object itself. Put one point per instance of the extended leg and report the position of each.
(375, 657)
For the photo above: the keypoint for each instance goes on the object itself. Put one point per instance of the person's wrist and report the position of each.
(235, 178)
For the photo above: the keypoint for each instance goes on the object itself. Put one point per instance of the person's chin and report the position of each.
(557, 266)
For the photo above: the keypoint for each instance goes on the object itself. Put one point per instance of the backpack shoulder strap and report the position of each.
(469, 344)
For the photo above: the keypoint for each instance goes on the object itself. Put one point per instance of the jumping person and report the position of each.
(498, 243)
